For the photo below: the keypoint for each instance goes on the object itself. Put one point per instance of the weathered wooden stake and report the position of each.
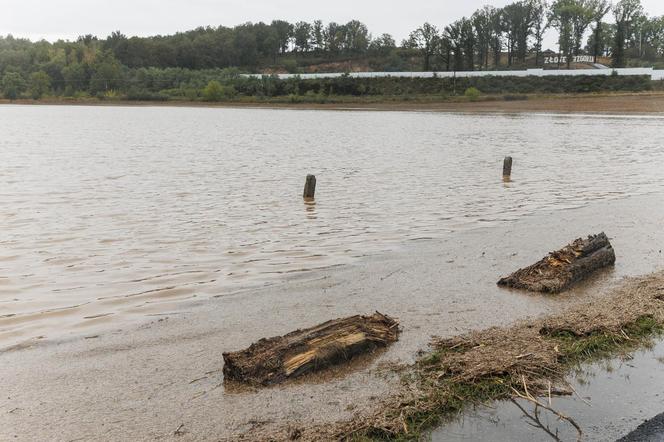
(310, 187)
(507, 167)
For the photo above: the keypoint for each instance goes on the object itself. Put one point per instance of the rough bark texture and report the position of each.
(274, 360)
(561, 269)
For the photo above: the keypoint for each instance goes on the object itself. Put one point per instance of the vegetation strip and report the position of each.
(527, 360)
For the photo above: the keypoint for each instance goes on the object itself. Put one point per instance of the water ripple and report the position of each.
(112, 210)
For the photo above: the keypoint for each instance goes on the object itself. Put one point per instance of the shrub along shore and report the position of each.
(223, 86)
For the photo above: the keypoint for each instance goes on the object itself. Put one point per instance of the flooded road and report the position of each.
(111, 215)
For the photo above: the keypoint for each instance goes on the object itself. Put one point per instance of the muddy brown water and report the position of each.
(146, 380)
(426, 243)
(111, 215)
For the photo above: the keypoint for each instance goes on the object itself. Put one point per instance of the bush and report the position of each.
(40, 84)
(472, 93)
(214, 91)
(393, 86)
(230, 92)
(13, 85)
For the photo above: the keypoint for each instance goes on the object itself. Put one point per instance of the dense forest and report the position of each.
(206, 63)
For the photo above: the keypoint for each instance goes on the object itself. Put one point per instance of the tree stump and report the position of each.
(561, 269)
(507, 167)
(275, 360)
(309, 187)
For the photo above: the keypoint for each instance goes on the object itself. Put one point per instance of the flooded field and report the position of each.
(115, 214)
(146, 379)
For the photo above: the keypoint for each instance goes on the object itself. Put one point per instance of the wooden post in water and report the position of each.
(310, 187)
(507, 167)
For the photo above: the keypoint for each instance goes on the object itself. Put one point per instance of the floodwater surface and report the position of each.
(113, 214)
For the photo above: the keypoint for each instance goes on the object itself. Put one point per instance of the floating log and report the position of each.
(561, 269)
(275, 360)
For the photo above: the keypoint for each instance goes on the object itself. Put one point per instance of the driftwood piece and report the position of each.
(274, 360)
(561, 269)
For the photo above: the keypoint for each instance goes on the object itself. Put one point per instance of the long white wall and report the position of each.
(654, 74)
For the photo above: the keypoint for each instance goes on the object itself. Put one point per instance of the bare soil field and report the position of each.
(608, 103)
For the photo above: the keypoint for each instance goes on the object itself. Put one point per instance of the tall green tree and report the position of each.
(482, 22)
(334, 36)
(497, 35)
(469, 43)
(106, 74)
(284, 32)
(357, 37)
(13, 85)
(76, 78)
(561, 17)
(625, 12)
(519, 20)
(318, 35)
(599, 8)
(302, 36)
(582, 16)
(40, 84)
(540, 25)
(426, 38)
(454, 34)
(383, 44)
(603, 42)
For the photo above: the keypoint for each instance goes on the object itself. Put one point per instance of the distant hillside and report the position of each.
(182, 64)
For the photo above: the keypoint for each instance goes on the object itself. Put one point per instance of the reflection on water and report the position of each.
(113, 212)
(310, 208)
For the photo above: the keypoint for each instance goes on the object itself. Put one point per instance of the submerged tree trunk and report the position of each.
(561, 269)
(275, 360)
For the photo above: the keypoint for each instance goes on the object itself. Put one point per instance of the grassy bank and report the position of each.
(271, 89)
(450, 383)
(526, 361)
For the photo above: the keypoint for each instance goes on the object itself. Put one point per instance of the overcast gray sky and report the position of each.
(54, 19)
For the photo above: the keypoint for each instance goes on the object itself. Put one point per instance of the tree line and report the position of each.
(491, 38)
(509, 36)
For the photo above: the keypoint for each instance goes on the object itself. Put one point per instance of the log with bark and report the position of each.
(561, 269)
(274, 360)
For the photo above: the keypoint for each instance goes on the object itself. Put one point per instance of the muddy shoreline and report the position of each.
(148, 380)
(603, 103)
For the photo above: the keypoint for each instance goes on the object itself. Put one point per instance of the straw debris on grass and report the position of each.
(527, 360)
